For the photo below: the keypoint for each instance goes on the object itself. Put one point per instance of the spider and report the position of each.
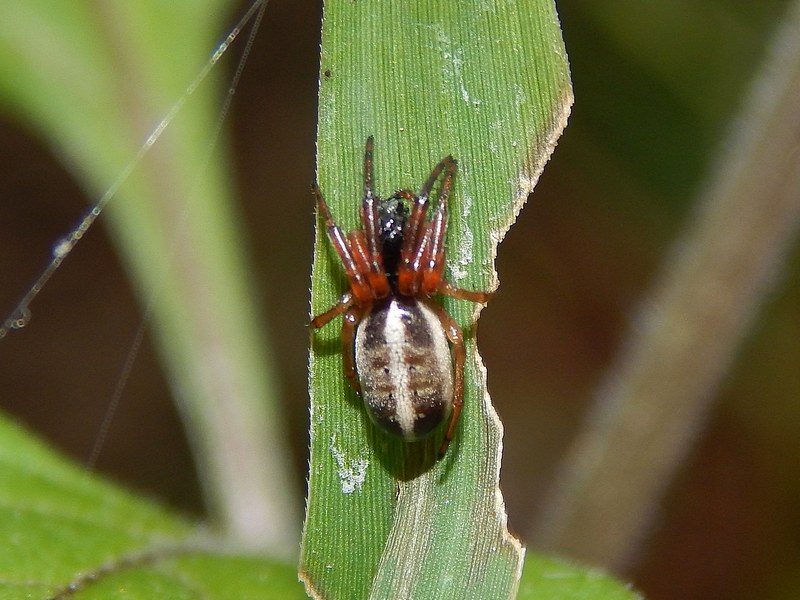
(394, 334)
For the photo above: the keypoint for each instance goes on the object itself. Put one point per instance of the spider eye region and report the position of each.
(392, 217)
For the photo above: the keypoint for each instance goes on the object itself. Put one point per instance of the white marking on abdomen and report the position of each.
(396, 345)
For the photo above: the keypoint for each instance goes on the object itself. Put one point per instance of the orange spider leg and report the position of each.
(453, 333)
(423, 244)
(448, 289)
(369, 217)
(433, 263)
(447, 162)
(411, 283)
(341, 307)
(371, 249)
(433, 267)
(358, 248)
(349, 322)
(358, 283)
(415, 220)
(412, 234)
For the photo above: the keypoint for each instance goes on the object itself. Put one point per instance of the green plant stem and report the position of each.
(655, 399)
(208, 330)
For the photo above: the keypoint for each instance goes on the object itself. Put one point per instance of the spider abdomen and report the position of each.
(404, 367)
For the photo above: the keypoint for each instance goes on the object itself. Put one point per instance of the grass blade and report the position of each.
(491, 87)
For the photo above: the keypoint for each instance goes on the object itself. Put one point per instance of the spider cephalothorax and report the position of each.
(395, 336)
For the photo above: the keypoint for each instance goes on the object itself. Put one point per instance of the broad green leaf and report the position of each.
(61, 526)
(95, 79)
(489, 84)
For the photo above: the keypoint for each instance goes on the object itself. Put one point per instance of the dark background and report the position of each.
(655, 86)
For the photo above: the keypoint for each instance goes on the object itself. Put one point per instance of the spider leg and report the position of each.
(358, 283)
(434, 261)
(415, 220)
(414, 243)
(368, 166)
(409, 281)
(422, 256)
(456, 337)
(341, 307)
(357, 243)
(349, 322)
(369, 211)
(433, 267)
(369, 217)
(448, 289)
(447, 164)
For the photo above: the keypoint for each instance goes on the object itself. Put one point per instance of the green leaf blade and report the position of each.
(491, 87)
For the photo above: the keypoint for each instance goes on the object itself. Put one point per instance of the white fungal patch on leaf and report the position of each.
(461, 259)
(520, 97)
(352, 473)
(453, 63)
